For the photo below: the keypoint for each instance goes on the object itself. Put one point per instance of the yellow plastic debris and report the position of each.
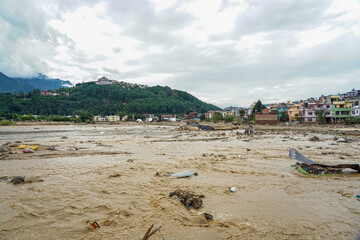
(33, 147)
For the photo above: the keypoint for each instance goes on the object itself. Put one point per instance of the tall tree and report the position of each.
(258, 107)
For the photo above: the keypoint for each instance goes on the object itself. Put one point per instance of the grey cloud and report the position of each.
(117, 49)
(274, 15)
(222, 73)
(140, 20)
(27, 40)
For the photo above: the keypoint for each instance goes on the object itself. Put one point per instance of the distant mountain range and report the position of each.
(42, 82)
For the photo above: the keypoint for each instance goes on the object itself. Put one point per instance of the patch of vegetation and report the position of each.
(6, 123)
(352, 120)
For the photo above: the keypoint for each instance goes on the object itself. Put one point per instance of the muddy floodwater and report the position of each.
(118, 176)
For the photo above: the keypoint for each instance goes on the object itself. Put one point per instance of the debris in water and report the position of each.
(208, 216)
(342, 140)
(202, 127)
(233, 189)
(95, 225)
(182, 174)
(149, 233)
(33, 147)
(28, 150)
(188, 199)
(250, 130)
(17, 180)
(115, 175)
(310, 167)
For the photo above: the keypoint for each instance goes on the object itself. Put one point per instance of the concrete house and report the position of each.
(356, 109)
(267, 117)
(308, 113)
(294, 112)
(341, 110)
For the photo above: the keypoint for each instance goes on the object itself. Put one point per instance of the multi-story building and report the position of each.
(191, 115)
(356, 109)
(294, 112)
(309, 110)
(209, 114)
(341, 110)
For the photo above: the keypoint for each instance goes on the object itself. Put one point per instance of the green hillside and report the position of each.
(104, 100)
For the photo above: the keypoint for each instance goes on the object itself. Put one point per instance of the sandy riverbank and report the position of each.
(272, 201)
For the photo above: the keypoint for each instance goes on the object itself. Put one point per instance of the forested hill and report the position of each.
(104, 100)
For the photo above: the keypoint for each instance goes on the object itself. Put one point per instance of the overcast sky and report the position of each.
(224, 52)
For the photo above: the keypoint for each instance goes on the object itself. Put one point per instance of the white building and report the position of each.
(355, 110)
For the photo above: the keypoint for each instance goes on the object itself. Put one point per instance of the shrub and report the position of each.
(352, 120)
(6, 123)
(229, 119)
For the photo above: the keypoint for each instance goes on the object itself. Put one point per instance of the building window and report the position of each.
(310, 113)
(327, 106)
(309, 119)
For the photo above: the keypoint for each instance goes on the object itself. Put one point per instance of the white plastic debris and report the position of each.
(182, 174)
(233, 189)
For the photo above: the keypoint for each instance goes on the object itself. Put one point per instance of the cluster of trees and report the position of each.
(82, 117)
(103, 100)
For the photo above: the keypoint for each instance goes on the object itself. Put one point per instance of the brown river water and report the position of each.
(107, 173)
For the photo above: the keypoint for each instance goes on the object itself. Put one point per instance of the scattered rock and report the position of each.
(64, 137)
(314, 139)
(52, 148)
(3, 149)
(208, 216)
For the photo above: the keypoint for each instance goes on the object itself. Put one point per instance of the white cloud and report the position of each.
(229, 52)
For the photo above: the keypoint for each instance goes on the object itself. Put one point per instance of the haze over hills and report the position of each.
(42, 82)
